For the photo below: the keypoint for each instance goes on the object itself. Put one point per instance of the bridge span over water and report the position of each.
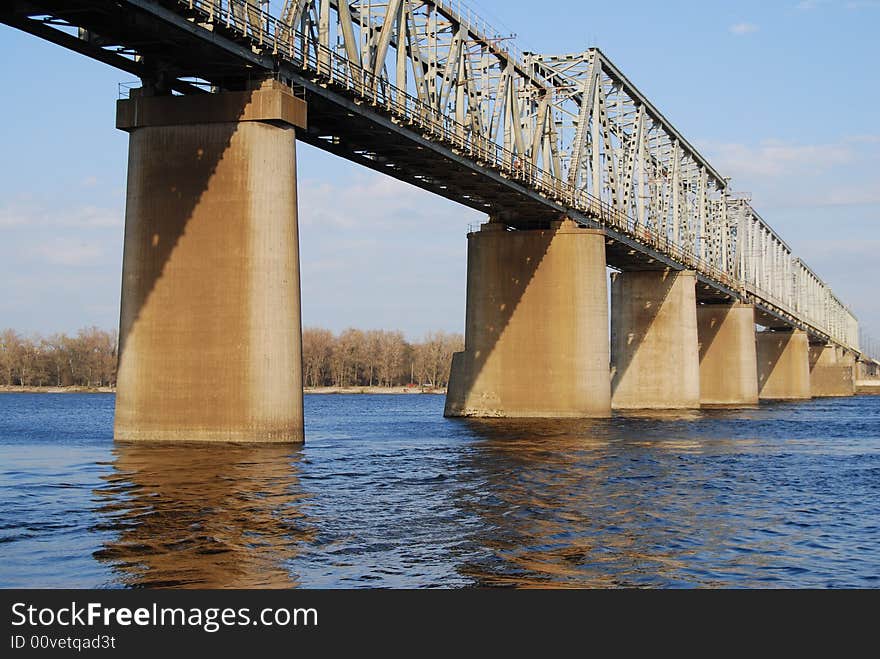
(576, 169)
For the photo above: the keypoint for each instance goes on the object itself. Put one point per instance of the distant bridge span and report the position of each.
(427, 92)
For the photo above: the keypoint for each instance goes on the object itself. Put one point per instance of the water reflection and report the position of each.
(203, 517)
(591, 503)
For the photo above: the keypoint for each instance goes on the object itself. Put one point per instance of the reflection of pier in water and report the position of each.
(224, 517)
(638, 500)
(589, 503)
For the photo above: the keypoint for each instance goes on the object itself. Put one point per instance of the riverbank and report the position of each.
(374, 390)
(12, 389)
(7, 389)
(869, 387)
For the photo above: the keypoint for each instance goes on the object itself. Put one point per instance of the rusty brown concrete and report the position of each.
(832, 371)
(728, 361)
(536, 330)
(270, 101)
(210, 333)
(783, 365)
(655, 361)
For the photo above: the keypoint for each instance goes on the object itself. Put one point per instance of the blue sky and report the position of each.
(781, 96)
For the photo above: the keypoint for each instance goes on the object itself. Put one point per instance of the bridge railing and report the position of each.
(329, 67)
(472, 20)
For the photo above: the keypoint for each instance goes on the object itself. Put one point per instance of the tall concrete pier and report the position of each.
(728, 360)
(655, 361)
(210, 336)
(536, 329)
(832, 371)
(783, 365)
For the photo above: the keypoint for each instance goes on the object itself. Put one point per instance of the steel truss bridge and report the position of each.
(427, 92)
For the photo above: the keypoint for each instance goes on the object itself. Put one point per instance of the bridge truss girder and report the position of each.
(560, 133)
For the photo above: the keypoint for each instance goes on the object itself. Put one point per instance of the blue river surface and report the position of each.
(388, 493)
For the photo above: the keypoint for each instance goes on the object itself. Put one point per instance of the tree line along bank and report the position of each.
(352, 358)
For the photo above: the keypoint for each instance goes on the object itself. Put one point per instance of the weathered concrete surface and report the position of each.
(210, 335)
(536, 331)
(832, 371)
(654, 345)
(728, 360)
(783, 365)
(269, 102)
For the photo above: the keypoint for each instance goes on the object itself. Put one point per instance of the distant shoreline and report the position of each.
(869, 387)
(73, 389)
(7, 389)
(374, 390)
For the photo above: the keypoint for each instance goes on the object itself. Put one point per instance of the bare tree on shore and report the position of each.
(87, 359)
(317, 348)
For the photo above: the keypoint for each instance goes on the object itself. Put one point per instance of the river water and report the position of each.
(386, 492)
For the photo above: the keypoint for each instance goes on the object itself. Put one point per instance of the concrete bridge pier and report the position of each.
(832, 371)
(655, 361)
(210, 330)
(783, 365)
(536, 329)
(728, 359)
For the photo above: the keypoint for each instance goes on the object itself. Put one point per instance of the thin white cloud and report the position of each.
(851, 195)
(68, 252)
(866, 248)
(783, 174)
(741, 29)
(863, 139)
(92, 217)
(774, 158)
(83, 217)
(370, 200)
(10, 217)
(808, 5)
